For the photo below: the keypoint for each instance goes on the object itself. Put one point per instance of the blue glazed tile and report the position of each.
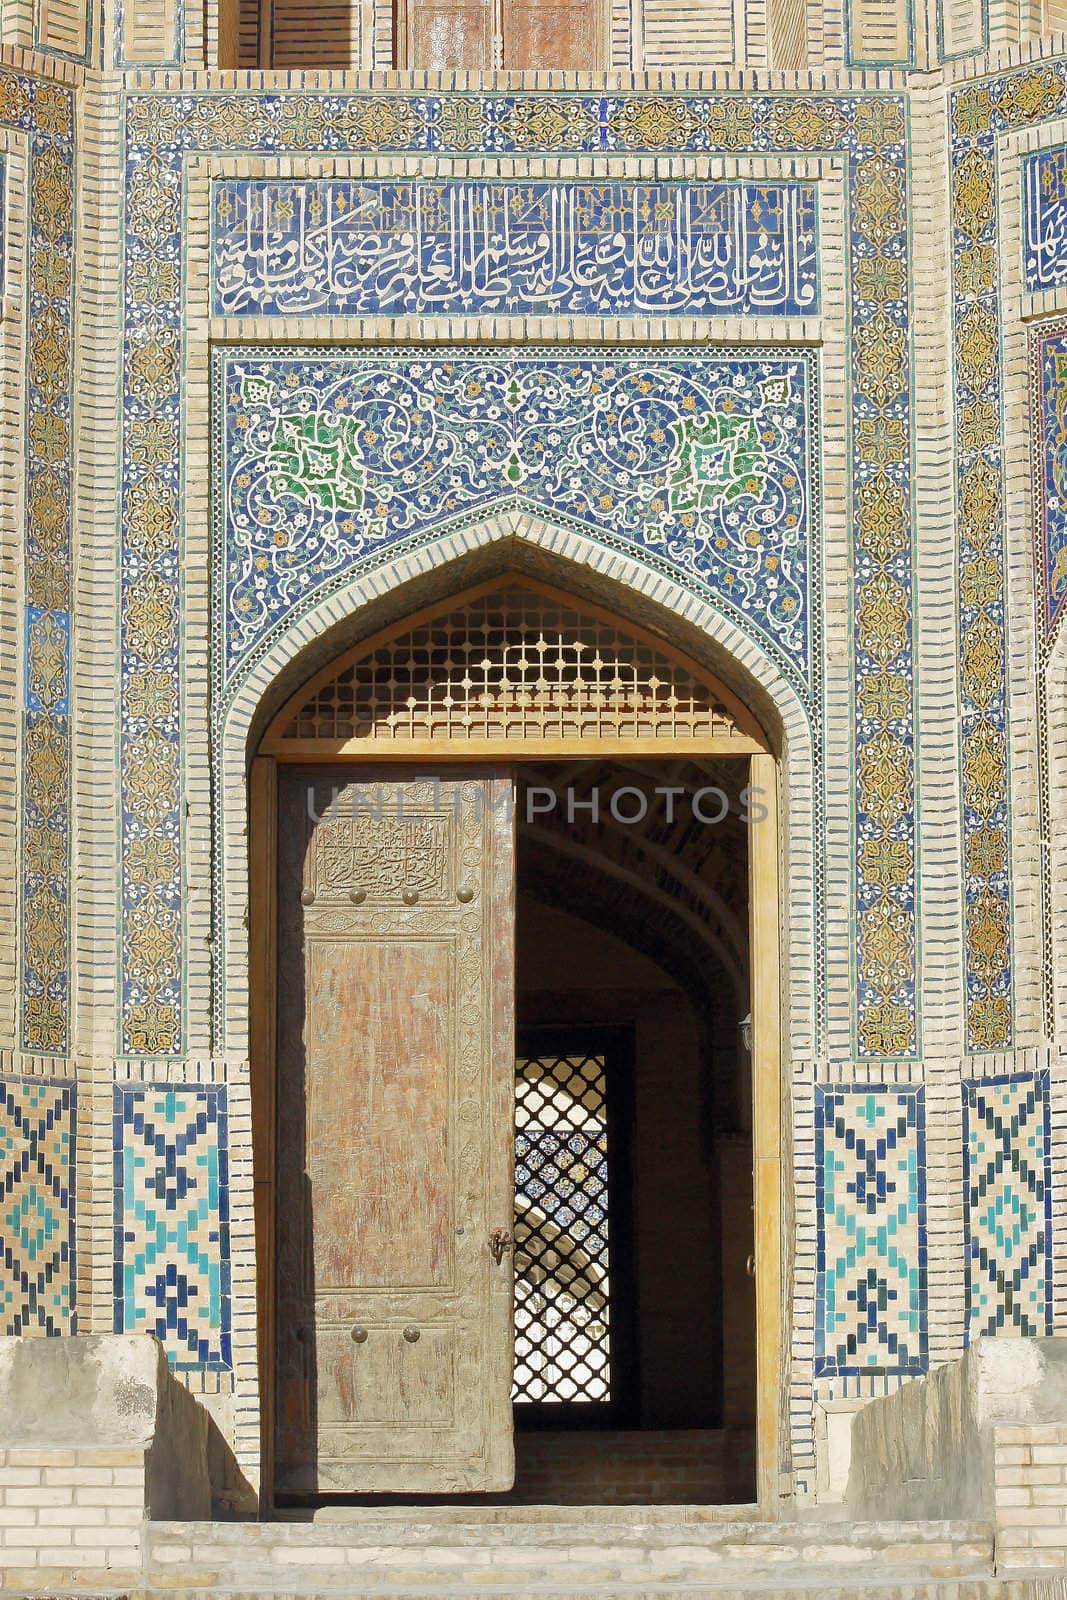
(871, 1240)
(172, 1254)
(37, 1157)
(1007, 1205)
(428, 247)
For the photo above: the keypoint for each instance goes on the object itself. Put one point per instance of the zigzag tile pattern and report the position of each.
(172, 1248)
(1007, 1198)
(871, 1249)
(37, 1126)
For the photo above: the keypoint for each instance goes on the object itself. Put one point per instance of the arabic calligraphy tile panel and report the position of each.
(1007, 1205)
(415, 247)
(37, 1120)
(46, 112)
(870, 1177)
(704, 459)
(1045, 219)
(867, 130)
(1048, 368)
(172, 1228)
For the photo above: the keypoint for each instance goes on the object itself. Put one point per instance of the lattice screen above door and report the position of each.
(512, 663)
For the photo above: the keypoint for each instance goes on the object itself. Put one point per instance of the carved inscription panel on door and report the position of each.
(384, 855)
(395, 1037)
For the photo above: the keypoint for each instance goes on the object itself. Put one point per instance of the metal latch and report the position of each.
(500, 1242)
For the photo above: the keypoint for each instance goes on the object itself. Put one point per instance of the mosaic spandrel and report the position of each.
(703, 463)
(413, 247)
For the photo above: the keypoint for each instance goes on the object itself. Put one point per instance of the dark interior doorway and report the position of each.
(632, 976)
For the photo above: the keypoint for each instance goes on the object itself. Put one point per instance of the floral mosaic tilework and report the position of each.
(45, 112)
(1007, 1205)
(868, 131)
(871, 1314)
(705, 460)
(416, 247)
(172, 1231)
(1045, 219)
(37, 1136)
(980, 112)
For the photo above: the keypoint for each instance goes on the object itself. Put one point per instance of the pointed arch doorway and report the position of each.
(397, 800)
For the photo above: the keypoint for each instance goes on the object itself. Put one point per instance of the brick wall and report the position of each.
(653, 1467)
(1030, 1497)
(70, 1511)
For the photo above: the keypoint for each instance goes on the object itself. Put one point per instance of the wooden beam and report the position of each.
(766, 1128)
(263, 964)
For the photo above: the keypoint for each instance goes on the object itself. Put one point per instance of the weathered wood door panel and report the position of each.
(551, 33)
(394, 1139)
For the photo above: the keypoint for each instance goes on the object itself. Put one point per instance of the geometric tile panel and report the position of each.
(1007, 1205)
(871, 1244)
(172, 1247)
(36, 1206)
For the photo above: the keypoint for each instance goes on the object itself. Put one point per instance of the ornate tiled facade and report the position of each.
(172, 1222)
(872, 1252)
(347, 247)
(706, 466)
(691, 333)
(164, 131)
(45, 112)
(1007, 1205)
(37, 1153)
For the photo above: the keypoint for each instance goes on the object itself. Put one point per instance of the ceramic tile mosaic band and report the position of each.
(979, 113)
(868, 130)
(172, 1222)
(1007, 1206)
(37, 1219)
(870, 1177)
(424, 247)
(46, 113)
(1048, 363)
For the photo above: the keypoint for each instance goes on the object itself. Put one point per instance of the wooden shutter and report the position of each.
(449, 35)
(563, 34)
(395, 1069)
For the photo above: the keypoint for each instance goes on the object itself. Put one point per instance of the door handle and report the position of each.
(500, 1242)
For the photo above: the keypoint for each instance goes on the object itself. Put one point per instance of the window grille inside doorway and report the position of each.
(566, 1349)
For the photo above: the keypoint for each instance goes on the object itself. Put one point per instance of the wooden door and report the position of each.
(395, 1069)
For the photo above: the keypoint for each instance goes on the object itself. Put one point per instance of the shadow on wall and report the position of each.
(116, 1391)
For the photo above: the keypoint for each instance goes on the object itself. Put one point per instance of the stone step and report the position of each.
(426, 1555)
(874, 1586)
